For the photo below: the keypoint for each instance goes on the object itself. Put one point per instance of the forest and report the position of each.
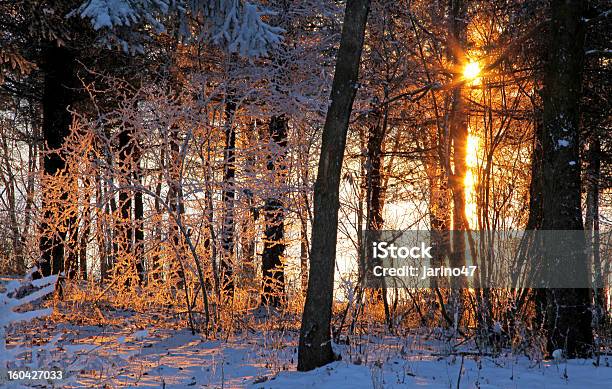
(305, 193)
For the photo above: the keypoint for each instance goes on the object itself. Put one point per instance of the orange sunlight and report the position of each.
(470, 180)
(471, 72)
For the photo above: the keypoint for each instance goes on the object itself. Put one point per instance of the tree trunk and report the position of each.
(458, 137)
(124, 224)
(25, 231)
(139, 230)
(248, 229)
(593, 176)
(568, 316)
(272, 267)
(304, 214)
(209, 243)
(534, 222)
(86, 230)
(228, 196)
(439, 217)
(176, 204)
(101, 236)
(375, 194)
(315, 342)
(247, 240)
(60, 81)
(138, 214)
(8, 181)
(375, 191)
(155, 268)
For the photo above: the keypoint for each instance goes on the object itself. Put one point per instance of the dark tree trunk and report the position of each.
(568, 315)
(375, 195)
(139, 233)
(247, 240)
(375, 192)
(303, 251)
(249, 219)
(439, 217)
(304, 214)
(315, 342)
(176, 204)
(274, 214)
(534, 222)
(228, 196)
(138, 215)
(458, 139)
(593, 176)
(124, 225)
(60, 83)
(129, 228)
(211, 238)
(459, 136)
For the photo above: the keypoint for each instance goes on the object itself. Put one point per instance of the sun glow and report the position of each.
(471, 71)
(470, 180)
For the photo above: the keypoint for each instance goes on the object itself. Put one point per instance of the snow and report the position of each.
(132, 355)
(134, 352)
(233, 24)
(111, 13)
(558, 355)
(16, 294)
(140, 335)
(336, 375)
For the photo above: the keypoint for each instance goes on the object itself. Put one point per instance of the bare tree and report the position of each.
(315, 342)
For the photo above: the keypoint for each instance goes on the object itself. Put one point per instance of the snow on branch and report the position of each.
(237, 25)
(16, 294)
(114, 13)
(234, 25)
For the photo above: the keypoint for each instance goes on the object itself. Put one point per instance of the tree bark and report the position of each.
(439, 215)
(101, 235)
(304, 214)
(274, 214)
(8, 181)
(139, 227)
(155, 267)
(375, 195)
(459, 136)
(60, 83)
(228, 196)
(593, 177)
(124, 224)
(176, 202)
(86, 230)
(568, 316)
(315, 342)
(458, 139)
(248, 229)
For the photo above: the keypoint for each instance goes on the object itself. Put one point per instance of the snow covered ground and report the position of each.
(137, 354)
